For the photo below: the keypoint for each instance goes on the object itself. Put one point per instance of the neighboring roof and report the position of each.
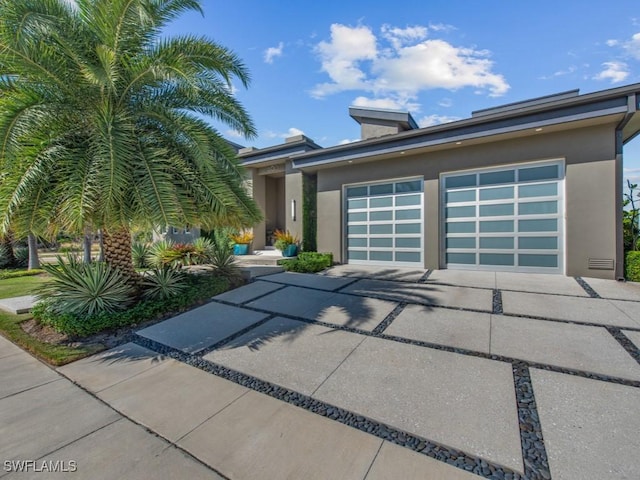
(362, 114)
(292, 146)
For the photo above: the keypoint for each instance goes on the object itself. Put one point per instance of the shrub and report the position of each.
(202, 251)
(22, 257)
(224, 262)
(85, 288)
(19, 273)
(632, 266)
(197, 288)
(141, 254)
(163, 283)
(308, 262)
(284, 239)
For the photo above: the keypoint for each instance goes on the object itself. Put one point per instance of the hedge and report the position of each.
(308, 262)
(632, 266)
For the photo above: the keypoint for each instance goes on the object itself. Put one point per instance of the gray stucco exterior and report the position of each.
(583, 133)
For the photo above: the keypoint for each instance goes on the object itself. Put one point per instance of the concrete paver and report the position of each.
(454, 328)
(248, 292)
(394, 461)
(17, 305)
(7, 348)
(289, 353)
(464, 278)
(591, 310)
(105, 369)
(422, 391)
(441, 295)
(590, 428)
(201, 327)
(259, 437)
(379, 273)
(292, 301)
(19, 373)
(615, 290)
(322, 282)
(580, 347)
(190, 395)
(631, 309)
(633, 336)
(539, 283)
(351, 311)
(123, 450)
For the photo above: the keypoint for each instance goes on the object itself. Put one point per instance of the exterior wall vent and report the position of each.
(601, 264)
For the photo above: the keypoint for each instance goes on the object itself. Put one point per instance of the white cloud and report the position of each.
(347, 140)
(273, 52)
(633, 46)
(405, 63)
(434, 119)
(560, 73)
(445, 102)
(615, 71)
(292, 132)
(612, 43)
(390, 103)
(233, 134)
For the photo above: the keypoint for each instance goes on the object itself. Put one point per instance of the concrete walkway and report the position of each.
(371, 374)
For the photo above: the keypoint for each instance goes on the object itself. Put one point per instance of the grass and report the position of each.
(11, 329)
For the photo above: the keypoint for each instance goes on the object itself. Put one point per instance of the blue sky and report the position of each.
(310, 61)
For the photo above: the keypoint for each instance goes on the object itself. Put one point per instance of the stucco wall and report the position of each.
(590, 198)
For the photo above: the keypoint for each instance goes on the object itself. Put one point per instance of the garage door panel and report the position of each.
(505, 219)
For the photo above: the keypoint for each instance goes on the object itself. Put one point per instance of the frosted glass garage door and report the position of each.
(507, 219)
(384, 224)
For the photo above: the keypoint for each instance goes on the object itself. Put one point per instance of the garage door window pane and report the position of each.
(461, 227)
(359, 203)
(357, 229)
(538, 243)
(380, 229)
(530, 260)
(545, 225)
(408, 228)
(407, 243)
(381, 189)
(496, 226)
(405, 200)
(496, 242)
(381, 242)
(357, 217)
(534, 208)
(357, 255)
(357, 242)
(463, 258)
(492, 178)
(496, 193)
(381, 202)
(381, 256)
(406, 187)
(460, 181)
(379, 216)
(463, 242)
(496, 210)
(542, 190)
(496, 259)
(538, 173)
(459, 212)
(407, 214)
(461, 196)
(407, 256)
(357, 192)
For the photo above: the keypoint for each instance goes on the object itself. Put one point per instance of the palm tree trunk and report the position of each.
(100, 240)
(117, 252)
(34, 260)
(86, 244)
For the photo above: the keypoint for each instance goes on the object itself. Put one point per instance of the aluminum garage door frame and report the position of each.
(508, 218)
(384, 222)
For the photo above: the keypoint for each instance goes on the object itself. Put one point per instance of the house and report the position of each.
(534, 186)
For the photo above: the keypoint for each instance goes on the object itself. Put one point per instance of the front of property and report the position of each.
(534, 186)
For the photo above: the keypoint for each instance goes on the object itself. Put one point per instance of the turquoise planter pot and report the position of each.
(240, 249)
(290, 251)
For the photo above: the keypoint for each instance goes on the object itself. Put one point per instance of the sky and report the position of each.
(439, 60)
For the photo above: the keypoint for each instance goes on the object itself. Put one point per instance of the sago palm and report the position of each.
(103, 122)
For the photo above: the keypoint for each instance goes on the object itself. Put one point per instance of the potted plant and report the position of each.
(286, 243)
(241, 241)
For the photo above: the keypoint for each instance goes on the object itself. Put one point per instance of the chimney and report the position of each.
(378, 122)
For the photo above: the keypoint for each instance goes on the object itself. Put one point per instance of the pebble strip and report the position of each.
(587, 288)
(497, 302)
(424, 277)
(534, 454)
(382, 326)
(452, 456)
(627, 344)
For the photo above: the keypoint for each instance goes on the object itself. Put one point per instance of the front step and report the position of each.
(258, 259)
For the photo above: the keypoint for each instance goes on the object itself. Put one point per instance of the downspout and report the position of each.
(619, 190)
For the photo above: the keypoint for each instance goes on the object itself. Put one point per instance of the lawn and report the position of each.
(10, 325)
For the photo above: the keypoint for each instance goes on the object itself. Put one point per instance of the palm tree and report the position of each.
(103, 123)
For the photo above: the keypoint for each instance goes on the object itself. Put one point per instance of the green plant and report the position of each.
(630, 227)
(309, 212)
(19, 273)
(85, 288)
(308, 262)
(22, 257)
(283, 239)
(7, 258)
(202, 251)
(223, 261)
(163, 283)
(632, 266)
(163, 253)
(243, 237)
(141, 254)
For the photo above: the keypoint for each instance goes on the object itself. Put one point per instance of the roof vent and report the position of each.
(601, 264)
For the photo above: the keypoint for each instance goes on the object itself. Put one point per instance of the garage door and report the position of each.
(384, 223)
(505, 219)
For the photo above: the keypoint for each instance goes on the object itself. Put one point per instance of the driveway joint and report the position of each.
(625, 342)
(586, 287)
(382, 326)
(497, 302)
(424, 277)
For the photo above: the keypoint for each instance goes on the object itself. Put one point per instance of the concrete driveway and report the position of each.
(368, 373)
